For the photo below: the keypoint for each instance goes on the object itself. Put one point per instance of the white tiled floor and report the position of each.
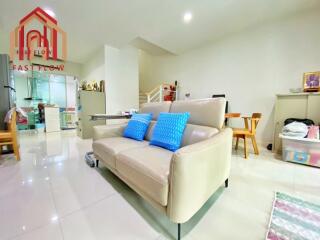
(52, 194)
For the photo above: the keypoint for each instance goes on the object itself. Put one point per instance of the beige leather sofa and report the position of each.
(176, 183)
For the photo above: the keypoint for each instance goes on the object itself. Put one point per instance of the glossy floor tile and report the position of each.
(112, 217)
(52, 194)
(49, 232)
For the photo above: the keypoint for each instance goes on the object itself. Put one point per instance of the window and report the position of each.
(46, 88)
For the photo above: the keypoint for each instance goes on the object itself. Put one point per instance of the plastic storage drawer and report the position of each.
(301, 150)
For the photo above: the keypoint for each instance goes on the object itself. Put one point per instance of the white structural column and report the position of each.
(122, 79)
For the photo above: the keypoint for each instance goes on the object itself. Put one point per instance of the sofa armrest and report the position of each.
(196, 172)
(107, 131)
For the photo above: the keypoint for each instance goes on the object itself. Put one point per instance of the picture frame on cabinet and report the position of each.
(311, 81)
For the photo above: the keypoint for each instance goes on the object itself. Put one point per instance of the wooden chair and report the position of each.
(9, 137)
(232, 115)
(247, 132)
(227, 116)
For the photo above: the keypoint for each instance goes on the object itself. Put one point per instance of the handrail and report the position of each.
(157, 88)
(156, 94)
(153, 90)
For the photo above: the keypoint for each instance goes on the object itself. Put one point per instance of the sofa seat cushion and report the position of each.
(107, 148)
(147, 168)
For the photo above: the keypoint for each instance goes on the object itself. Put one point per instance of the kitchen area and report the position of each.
(46, 101)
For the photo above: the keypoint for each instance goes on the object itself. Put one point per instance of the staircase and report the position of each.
(160, 93)
(142, 98)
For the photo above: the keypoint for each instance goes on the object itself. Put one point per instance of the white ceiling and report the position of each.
(91, 24)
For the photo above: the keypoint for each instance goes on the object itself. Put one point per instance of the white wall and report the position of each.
(70, 68)
(2, 46)
(249, 67)
(119, 69)
(94, 69)
(122, 79)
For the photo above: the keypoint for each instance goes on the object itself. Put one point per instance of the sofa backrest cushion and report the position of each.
(205, 112)
(192, 133)
(155, 108)
(195, 133)
(150, 130)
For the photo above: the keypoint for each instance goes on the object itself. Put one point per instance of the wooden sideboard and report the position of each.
(295, 105)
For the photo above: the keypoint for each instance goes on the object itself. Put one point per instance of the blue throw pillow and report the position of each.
(138, 126)
(169, 129)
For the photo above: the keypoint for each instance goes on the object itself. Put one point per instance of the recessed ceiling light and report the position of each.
(187, 17)
(54, 218)
(50, 12)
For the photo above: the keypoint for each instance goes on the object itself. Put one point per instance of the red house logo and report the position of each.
(38, 34)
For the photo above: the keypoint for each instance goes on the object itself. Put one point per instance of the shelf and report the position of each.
(297, 94)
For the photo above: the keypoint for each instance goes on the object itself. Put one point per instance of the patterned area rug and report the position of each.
(294, 219)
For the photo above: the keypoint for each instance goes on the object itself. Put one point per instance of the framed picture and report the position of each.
(311, 81)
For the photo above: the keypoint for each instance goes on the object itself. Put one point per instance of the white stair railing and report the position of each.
(157, 94)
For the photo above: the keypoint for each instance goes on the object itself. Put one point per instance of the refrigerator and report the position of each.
(7, 88)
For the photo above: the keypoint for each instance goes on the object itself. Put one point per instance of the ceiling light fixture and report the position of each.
(54, 218)
(187, 17)
(50, 12)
